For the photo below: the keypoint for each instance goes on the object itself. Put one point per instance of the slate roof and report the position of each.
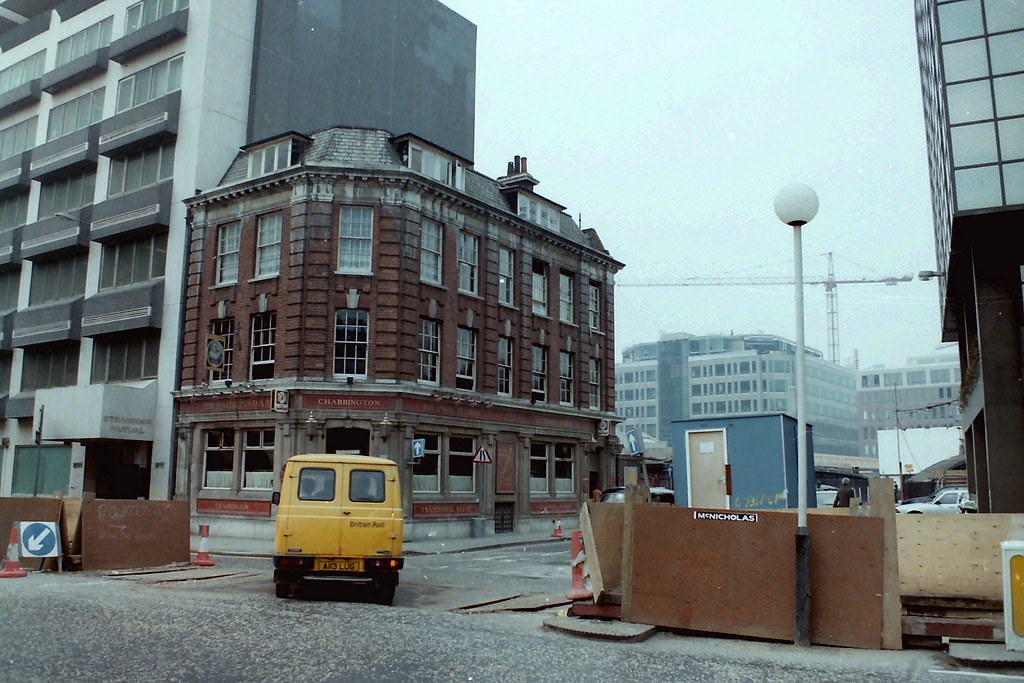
(372, 149)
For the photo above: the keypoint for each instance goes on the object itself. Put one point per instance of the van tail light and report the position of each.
(384, 563)
(289, 562)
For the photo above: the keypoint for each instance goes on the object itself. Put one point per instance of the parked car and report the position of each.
(947, 502)
(969, 504)
(659, 494)
(825, 495)
(931, 496)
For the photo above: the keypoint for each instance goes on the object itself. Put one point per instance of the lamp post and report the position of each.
(796, 205)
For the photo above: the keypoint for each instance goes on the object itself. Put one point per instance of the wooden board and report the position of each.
(628, 555)
(952, 555)
(715, 575)
(118, 534)
(847, 569)
(602, 538)
(884, 508)
(39, 509)
(69, 526)
(734, 572)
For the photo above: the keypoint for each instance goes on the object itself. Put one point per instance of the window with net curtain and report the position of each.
(425, 473)
(538, 468)
(258, 459)
(355, 239)
(460, 464)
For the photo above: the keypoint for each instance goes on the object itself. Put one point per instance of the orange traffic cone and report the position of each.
(557, 533)
(203, 556)
(579, 590)
(12, 567)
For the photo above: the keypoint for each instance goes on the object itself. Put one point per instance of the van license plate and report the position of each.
(338, 564)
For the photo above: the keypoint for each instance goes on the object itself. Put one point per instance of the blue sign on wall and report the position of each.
(419, 447)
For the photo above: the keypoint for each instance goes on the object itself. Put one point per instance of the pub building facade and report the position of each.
(352, 291)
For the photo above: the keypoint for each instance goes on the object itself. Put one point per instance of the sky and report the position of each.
(669, 126)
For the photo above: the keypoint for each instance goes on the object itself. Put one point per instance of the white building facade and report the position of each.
(923, 393)
(112, 113)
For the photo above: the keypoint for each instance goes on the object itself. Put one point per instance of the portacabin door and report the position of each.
(707, 469)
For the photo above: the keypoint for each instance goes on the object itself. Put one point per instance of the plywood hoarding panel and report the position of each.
(714, 570)
(604, 550)
(846, 580)
(120, 534)
(952, 555)
(18, 509)
(734, 572)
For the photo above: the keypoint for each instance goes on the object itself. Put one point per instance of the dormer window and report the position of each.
(517, 186)
(433, 163)
(273, 157)
(275, 154)
(539, 212)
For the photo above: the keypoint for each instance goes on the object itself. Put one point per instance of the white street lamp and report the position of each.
(796, 205)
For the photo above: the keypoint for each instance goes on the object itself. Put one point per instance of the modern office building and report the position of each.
(923, 393)
(682, 376)
(972, 74)
(371, 293)
(112, 112)
(636, 389)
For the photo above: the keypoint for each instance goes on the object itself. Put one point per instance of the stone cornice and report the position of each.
(305, 180)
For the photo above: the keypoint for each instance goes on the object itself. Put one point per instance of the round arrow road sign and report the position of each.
(39, 539)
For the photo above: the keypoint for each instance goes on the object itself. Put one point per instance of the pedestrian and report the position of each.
(843, 495)
(595, 495)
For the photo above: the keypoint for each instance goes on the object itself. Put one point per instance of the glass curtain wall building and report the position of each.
(972, 74)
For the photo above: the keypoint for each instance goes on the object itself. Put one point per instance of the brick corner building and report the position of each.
(353, 291)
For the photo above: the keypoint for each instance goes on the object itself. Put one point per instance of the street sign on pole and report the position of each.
(636, 447)
(482, 457)
(635, 441)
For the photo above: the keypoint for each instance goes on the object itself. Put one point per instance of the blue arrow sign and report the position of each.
(635, 442)
(419, 447)
(39, 539)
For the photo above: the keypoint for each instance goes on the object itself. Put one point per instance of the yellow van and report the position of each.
(339, 517)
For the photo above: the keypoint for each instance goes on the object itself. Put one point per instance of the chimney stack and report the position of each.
(518, 175)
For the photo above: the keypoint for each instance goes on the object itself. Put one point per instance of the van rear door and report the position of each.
(368, 524)
(314, 515)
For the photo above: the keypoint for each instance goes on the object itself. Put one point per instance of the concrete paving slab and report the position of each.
(598, 628)
(136, 571)
(983, 652)
(533, 602)
(177, 575)
(446, 598)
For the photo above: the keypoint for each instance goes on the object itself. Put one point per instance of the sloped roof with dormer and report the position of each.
(374, 150)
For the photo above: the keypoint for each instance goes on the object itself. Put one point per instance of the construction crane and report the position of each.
(831, 296)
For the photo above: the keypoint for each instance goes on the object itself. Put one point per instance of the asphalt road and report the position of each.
(228, 626)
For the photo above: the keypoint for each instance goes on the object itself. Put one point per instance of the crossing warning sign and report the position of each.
(482, 457)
